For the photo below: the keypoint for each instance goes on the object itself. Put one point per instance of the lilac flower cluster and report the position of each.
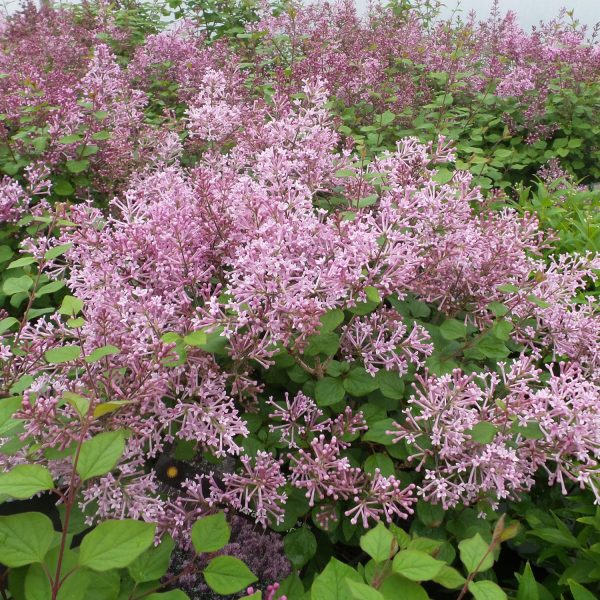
(486, 435)
(357, 58)
(380, 341)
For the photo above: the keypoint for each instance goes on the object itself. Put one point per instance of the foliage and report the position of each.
(117, 558)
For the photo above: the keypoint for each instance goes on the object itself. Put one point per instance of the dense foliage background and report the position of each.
(298, 301)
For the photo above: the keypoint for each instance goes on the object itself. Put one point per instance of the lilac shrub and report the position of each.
(236, 246)
(343, 332)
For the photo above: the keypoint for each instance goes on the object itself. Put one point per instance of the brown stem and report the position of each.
(28, 307)
(70, 501)
(73, 484)
(496, 539)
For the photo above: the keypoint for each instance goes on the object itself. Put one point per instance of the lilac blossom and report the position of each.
(257, 490)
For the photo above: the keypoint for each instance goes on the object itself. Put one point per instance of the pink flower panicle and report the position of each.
(487, 445)
(380, 341)
(256, 490)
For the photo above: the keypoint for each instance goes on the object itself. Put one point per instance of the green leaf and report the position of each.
(17, 285)
(331, 320)
(36, 312)
(330, 584)
(579, 592)
(6, 253)
(74, 587)
(508, 288)
(196, 338)
(23, 481)
(329, 390)
(77, 519)
(472, 553)
(216, 343)
(380, 461)
(416, 565)
(49, 288)
(109, 407)
(101, 135)
(368, 201)
(37, 585)
(100, 353)
(8, 407)
(410, 590)
(76, 323)
(291, 587)
(438, 365)
(372, 294)
(7, 323)
(531, 431)
(345, 173)
(449, 578)
(70, 306)
(493, 347)
(79, 403)
(503, 153)
(401, 536)
(22, 384)
(90, 150)
(498, 309)
(387, 117)
(171, 595)
(416, 308)
(21, 262)
(115, 544)
(57, 251)
(70, 139)
(556, 537)
(538, 301)
(62, 355)
(62, 187)
(528, 589)
(102, 586)
(361, 591)
(486, 590)
(210, 533)
(359, 383)
(502, 329)
(324, 343)
(443, 175)
(100, 454)
(227, 575)
(426, 545)
(335, 368)
(170, 337)
(379, 543)
(300, 546)
(25, 538)
(390, 384)
(451, 329)
(153, 563)
(77, 166)
(431, 515)
(377, 432)
(483, 432)
(364, 308)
